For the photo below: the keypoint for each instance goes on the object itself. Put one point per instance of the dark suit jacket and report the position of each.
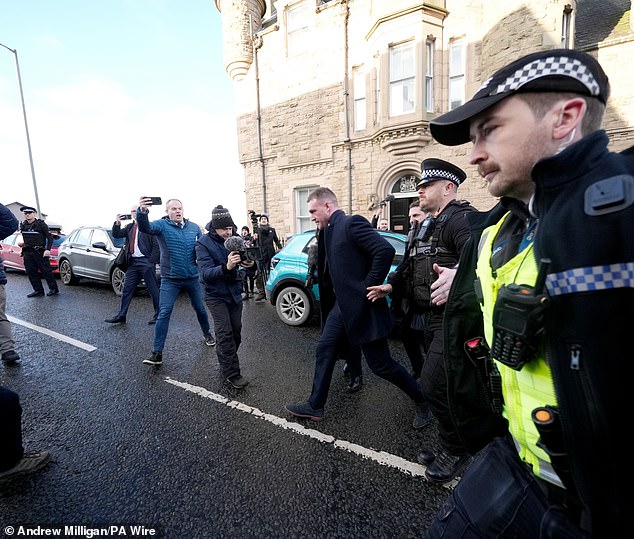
(352, 256)
(148, 244)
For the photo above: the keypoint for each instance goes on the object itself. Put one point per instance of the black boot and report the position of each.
(445, 466)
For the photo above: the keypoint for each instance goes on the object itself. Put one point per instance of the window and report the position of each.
(359, 100)
(402, 79)
(297, 29)
(429, 75)
(302, 219)
(566, 27)
(377, 97)
(456, 74)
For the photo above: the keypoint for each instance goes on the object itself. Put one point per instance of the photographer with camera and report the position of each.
(265, 238)
(219, 256)
(378, 220)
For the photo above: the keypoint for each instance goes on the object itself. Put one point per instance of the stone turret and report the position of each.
(240, 20)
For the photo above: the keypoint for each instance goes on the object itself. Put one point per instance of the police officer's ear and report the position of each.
(569, 115)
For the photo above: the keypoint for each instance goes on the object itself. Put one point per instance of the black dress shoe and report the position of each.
(152, 321)
(427, 455)
(35, 294)
(115, 320)
(445, 466)
(356, 383)
(53, 292)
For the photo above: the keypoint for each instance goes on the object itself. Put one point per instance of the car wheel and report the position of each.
(293, 306)
(66, 273)
(117, 280)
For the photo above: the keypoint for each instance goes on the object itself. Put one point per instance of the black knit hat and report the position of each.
(557, 70)
(221, 218)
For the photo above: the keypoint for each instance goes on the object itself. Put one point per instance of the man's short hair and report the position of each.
(323, 194)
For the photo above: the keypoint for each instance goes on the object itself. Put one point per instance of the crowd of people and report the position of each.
(515, 320)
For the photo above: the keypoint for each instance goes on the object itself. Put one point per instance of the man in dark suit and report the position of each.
(352, 256)
(142, 256)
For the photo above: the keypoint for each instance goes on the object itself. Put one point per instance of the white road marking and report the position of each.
(381, 457)
(54, 334)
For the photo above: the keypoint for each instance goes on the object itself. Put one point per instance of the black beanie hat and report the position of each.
(221, 218)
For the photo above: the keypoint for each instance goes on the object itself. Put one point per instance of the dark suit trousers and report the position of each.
(11, 450)
(139, 268)
(334, 339)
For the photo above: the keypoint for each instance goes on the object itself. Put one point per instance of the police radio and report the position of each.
(518, 320)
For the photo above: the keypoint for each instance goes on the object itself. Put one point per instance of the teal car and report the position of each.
(294, 302)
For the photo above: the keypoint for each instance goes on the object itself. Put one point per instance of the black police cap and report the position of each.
(437, 169)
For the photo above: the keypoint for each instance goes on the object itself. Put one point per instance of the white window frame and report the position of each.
(360, 101)
(566, 27)
(302, 217)
(377, 96)
(297, 34)
(429, 75)
(402, 78)
(457, 63)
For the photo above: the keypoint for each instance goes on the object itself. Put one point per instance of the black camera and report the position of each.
(126, 217)
(250, 255)
(388, 198)
(518, 321)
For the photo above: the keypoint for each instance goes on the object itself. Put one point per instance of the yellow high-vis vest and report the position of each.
(532, 386)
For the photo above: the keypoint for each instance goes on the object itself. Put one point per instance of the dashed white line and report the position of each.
(54, 334)
(381, 457)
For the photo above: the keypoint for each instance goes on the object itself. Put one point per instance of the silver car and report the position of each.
(89, 252)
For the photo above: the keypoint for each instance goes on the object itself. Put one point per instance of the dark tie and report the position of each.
(132, 238)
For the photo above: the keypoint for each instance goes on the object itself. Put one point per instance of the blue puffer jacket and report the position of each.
(219, 283)
(178, 245)
(8, 225)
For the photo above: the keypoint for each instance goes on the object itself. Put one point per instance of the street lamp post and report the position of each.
(26, 127)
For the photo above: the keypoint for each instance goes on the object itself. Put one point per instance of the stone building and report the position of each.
(340, 93)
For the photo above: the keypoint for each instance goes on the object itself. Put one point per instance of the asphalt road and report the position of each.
(174, 450)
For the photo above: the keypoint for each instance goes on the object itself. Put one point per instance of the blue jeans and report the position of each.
(498, 496)
(170, 289)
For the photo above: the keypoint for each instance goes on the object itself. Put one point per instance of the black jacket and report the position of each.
(41, 228)
(585, 202)
(148, 244)
(352, 256)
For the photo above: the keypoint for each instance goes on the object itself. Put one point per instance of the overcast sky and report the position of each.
(123, 98)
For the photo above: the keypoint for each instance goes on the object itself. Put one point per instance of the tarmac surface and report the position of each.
(172, 452)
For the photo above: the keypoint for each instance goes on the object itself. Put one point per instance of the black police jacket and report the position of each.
(584, 200)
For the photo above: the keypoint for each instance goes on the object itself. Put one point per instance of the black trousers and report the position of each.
(227, 319)
(34, 263)
(434, 382)
(11, 450)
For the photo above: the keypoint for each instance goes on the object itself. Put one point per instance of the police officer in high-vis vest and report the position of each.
(36, 251)
(538, 323)
(434, 247)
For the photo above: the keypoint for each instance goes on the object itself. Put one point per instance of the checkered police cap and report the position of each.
(437, 169)
(558, 70)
